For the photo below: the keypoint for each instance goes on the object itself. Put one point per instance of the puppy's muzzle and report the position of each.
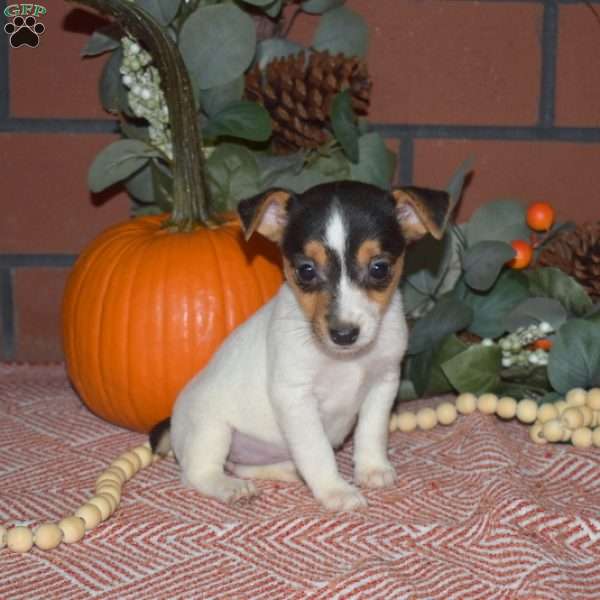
(344, 334)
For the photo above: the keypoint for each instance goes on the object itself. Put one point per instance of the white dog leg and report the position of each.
(203, 459)
(283, 471)
(371, 465)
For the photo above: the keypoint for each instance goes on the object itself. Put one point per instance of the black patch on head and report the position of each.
(369, 213)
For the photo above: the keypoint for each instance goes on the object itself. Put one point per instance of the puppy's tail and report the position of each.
(160, 438)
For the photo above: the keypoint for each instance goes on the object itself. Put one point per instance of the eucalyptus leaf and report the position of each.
(245, 120)
(274, 8)
(476, 370)
(216, 99)
(535, 310)
(233, 174)
(100, 41)
(342, 30)
(110, 86)
(593, 314)
(426, 263)
(375, 164)
(483, 262)
(501, 220)
(343, 121)
(406, 390)
(118, 161)
(137, 130)
(273, 48)
(448, 316)
(141, 186)
(574, 359)
(438, 382)
(457, 183)
(218, 44)
(272, 166)
(317, 7)
(491, 308)
(260, 3)
(418, 369)
(164, 11)
(554, 283)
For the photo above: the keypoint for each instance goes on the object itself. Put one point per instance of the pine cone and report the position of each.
(577, 253)
(298, 95)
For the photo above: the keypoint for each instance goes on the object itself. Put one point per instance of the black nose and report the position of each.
(345, 335)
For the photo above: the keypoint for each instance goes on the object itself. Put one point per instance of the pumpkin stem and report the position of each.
(190, 190)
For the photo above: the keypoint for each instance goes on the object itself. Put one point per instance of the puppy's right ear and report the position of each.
(265, 213)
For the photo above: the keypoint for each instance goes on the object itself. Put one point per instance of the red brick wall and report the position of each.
(515, 85)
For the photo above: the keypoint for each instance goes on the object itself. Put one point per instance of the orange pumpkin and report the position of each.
(150, 300)
(144, 310)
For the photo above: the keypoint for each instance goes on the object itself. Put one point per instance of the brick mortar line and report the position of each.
(57, 260)
(549, 50)
(7, 315)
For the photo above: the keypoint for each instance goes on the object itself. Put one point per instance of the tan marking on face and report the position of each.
(367, 251)
(317, 252)
(383, 297)
(315, 305)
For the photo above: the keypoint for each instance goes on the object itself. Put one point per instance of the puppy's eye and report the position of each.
(306, 272)
(379, 269)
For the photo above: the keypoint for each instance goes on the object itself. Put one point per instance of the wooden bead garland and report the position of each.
(576, 418)
(98, 508)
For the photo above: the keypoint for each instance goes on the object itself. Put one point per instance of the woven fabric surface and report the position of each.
(478, 512)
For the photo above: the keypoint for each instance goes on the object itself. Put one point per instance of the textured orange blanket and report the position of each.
(478, 512)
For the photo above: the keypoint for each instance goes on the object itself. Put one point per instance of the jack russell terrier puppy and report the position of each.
(323, 356)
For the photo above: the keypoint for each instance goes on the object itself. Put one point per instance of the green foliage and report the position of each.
(501, 221)
(474, 370)
(118, 161)
(553, 283)
(535, 311)
(342, 30)
(483, 262)
(218, 42)
(575, 356)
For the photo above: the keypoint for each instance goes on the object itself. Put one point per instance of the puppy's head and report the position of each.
(343, 250)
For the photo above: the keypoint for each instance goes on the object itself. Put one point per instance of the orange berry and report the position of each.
(524, 254)
(540, 216)
(543, 344)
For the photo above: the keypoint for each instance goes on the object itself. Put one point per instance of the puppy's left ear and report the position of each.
(265, 213)
(421, 211)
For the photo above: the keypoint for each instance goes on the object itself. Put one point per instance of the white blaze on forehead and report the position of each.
(352, 303)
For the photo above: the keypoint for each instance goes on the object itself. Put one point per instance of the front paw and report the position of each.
(375, 476)
(342, 497)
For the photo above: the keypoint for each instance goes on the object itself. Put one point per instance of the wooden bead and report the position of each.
(3, 532)
(547, 412)
(111, 490)
(487, 403)
(407, 421)
(572, 417)
(566, 436)
(90, 514)
(48, 536)
(104, 505)
(576, 397)
(426, 418)
(73, 529)
(466, 403)
(19, 539)
(535, 433)
(595, 438)
(121, 475)
(108, 476)
(126, 466)
(582, 437)
(506, 408)
(588, 415)
(553, 430)
(593, 398)
(112, 501)
(393, 423)
(446, 413)
(133, 458)
(527, 410)
(561, 406)
(144, 454)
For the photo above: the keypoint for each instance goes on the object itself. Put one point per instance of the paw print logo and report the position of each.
(24, 32)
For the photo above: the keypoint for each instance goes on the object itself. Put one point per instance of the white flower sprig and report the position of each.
(145, 95)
